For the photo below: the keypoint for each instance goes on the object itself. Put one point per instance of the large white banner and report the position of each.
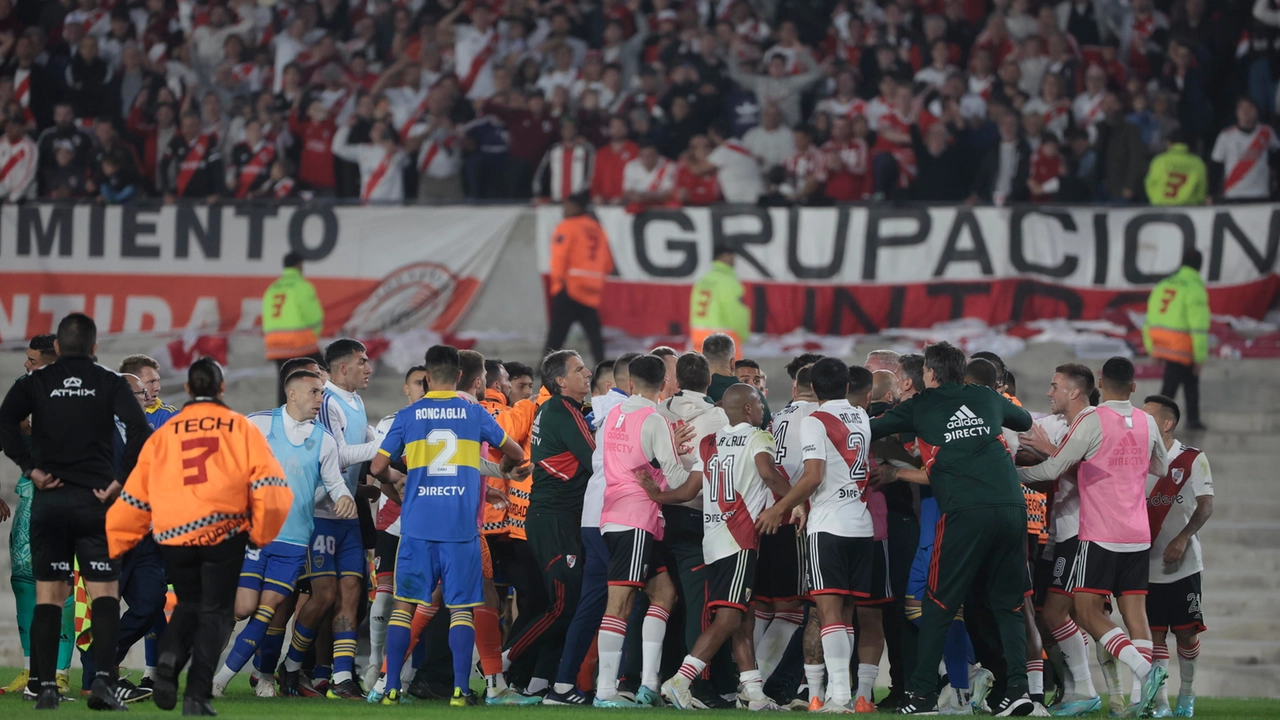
(147, 268)
(859, 269)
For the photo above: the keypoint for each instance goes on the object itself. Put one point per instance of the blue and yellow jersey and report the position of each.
(440, 438)
(158, 413)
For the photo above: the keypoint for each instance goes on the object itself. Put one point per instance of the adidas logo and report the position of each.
(1128, 441)
(963, 424)
(964, 417)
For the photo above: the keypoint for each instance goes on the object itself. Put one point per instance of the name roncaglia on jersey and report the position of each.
(440, 413)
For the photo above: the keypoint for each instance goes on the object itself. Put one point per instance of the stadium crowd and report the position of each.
(640, 102)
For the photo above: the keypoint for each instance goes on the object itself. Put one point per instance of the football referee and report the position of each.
(73, 404)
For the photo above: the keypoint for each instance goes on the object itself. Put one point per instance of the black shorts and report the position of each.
(633, 560)
(730, 579)
(881, 590)
(1103, 572)
(1175, 606)
(69, 524)
(384, 553)
(838, 565)
(1041, 578)
(782, 557)
(1064, 563)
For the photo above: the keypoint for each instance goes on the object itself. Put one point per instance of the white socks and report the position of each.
(776, 638)
(1187, 667)
(764, 618)
(1071, 644)
(613, 633)
(379, 614)
(1110, 671)
(224, 676)
(652, 632)
(1119, 645)
(752, 684)
(867, 674)
(816, 677)
(837, 653)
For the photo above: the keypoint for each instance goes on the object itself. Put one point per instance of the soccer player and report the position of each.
(561, 446)
(336, 556)
(1069, 392)
(779, 592)
(983, 518)
(1112, 447)
(748, 372)
(309, 456)
(581, 634)
(73, 404)
(439, 438)
(148, 372)
(40, 353)
(202, 507)
(1173, 596)
(720, 355)
(734, 475)
(387, 525)
(635, 435)
(471, 384)
(835, 440)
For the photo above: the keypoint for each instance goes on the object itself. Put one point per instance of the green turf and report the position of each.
(240, 702)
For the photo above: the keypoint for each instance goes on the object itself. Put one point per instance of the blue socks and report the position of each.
(462, 638)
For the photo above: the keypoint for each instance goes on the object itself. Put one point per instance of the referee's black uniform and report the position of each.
(73, 404)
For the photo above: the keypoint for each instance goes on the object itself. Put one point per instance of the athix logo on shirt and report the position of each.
(965, 424)
(71, 388)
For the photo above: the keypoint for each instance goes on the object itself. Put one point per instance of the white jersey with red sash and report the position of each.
(1057, 115)
(438, 157)
(197, 153)
(1088, 110)
(473, 52)
(18, 161)
(408, 106)
(805, 166)
(259, 166)
(840, 435)
(737, 172)
(982, 87)
(787, 439)
(1244, 156)
(733, 494)
(661, 179)
(22, 92)
(1170, 502)
(851, 108)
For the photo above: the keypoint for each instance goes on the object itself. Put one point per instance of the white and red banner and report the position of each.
(858, 270)
(200, 270)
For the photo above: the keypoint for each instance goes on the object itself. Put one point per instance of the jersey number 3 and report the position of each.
(202, 449)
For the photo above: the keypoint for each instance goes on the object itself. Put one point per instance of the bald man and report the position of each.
(884, 387)
(735, 473)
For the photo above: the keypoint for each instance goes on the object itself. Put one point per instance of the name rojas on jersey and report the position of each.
(965, 424)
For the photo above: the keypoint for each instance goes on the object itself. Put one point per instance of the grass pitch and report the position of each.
(241, 703)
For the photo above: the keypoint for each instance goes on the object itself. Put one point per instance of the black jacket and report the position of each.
(984, 183)
(73, 404)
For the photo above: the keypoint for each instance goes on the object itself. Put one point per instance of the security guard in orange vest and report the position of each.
(580, 265)
(204, 487)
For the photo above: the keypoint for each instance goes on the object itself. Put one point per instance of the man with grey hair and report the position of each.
(719, 350)
(882, 360)
(562, 443)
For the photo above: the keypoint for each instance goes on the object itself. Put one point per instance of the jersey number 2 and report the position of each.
(442, 460)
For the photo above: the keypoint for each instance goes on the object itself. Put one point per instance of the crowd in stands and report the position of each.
(640, 102)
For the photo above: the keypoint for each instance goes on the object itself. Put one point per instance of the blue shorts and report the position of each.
(275, 567)
(337, 549)
(919, 576)
(456, 566)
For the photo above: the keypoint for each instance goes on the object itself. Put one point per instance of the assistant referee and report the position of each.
(73, 404)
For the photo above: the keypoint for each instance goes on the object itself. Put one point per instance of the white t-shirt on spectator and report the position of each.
(737, 172)
(1246, 171)
(771, 147)
(637, 178)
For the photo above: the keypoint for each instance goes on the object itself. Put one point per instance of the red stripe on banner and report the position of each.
(866, 309)
(163, 303)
